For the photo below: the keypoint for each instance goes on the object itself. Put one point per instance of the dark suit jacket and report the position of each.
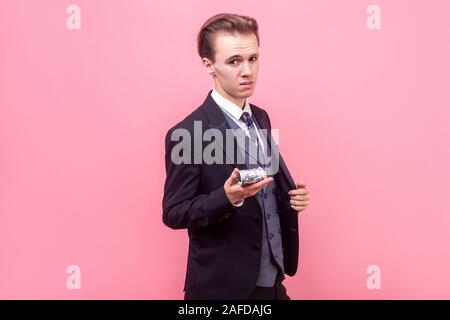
(224, 240)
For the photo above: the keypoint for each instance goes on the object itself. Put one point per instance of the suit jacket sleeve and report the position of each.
(183, 206)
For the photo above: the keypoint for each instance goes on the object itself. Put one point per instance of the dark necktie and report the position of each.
(247, 119)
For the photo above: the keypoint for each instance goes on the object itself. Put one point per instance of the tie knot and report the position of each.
(247, 119)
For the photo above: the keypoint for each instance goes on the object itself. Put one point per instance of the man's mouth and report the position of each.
(246, 83)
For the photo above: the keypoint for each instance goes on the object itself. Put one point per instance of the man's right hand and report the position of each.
(236, 193)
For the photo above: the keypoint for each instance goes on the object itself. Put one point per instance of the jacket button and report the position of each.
(265, 195)
(270, 236)
(257, 246)
(268, 216)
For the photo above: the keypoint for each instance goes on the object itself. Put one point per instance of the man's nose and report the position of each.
(246, 71)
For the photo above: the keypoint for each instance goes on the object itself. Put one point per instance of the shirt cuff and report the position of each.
(239, 204)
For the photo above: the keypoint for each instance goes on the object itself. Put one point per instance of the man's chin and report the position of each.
(245, 93)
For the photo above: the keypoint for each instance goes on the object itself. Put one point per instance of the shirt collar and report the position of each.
(230, 107)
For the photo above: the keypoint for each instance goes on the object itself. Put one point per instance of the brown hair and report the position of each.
(232, 23)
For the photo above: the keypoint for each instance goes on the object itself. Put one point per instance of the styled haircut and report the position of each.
(227, 22)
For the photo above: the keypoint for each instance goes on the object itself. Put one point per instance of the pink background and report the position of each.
(363, 118)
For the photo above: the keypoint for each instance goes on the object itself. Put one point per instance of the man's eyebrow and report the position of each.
(239, 56)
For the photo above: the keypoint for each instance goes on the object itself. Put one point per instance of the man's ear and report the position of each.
(209, 66)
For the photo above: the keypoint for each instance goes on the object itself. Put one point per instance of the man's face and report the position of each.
(236, 65)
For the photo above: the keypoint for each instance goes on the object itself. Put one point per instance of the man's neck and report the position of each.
(239, 102)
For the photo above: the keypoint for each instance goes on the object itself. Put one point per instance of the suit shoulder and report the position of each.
(259, 111)
(188, 122)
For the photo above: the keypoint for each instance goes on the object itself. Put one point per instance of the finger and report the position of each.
(299, 203)
(300, 184)
(234, 176)
(298, 208)
(300, 197)
(301, 191)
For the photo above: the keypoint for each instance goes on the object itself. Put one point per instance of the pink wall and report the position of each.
(363, 117)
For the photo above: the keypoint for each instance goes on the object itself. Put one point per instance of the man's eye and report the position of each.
(233, 61)
(254, 58)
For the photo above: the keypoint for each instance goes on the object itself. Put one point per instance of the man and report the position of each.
(242, 238)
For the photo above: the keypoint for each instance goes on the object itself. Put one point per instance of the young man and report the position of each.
(242, 238)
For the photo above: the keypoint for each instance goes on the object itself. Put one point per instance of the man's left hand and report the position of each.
(299, 197)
